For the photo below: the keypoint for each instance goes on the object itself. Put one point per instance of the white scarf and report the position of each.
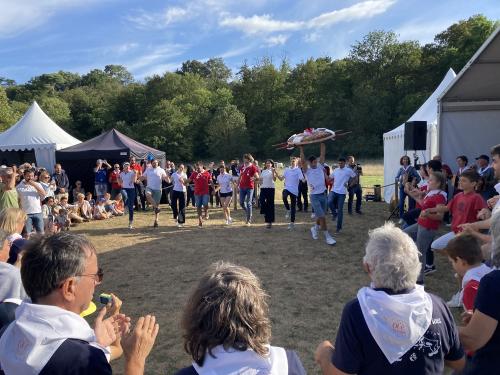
(476, 274)
(436, 192)
(235, 362)
(38, 331)
(398, 321)
(483, 170)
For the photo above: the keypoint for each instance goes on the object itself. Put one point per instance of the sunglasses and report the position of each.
(96, 276)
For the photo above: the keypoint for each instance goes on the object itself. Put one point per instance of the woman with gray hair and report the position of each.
(393, 326)
(482, 331)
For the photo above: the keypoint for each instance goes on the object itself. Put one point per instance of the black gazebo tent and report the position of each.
(78, 161)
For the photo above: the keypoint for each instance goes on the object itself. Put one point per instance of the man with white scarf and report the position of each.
(60, 273)
(393, 326)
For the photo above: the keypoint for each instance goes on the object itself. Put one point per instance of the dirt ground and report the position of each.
(153, 270)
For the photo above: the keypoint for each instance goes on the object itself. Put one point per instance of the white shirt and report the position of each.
(178, 185)
(128, 179)
(292, 178)
(316, 179)
(267, 179)
(341, 178)
(497, 206)
(30, 199)
(154, 177)
(225, 182)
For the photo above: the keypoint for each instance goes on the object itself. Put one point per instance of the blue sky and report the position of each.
(153, 36)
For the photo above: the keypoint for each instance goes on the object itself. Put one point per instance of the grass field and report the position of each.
(153, 270)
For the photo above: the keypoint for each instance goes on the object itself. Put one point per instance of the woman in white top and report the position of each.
(179, 195)
(47, 183)
(127, 179)
(267, 190)
(225, 189)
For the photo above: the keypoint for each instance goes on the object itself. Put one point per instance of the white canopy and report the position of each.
(394, 139)
(36, 131)
(469, 118)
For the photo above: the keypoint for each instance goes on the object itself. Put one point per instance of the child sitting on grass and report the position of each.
(465, 255)
(110, 206)
(119, 204)
(100, 210)
(88, 198)
(48, 215)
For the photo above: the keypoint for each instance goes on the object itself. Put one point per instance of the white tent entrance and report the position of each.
(35, 134)
(394, 139)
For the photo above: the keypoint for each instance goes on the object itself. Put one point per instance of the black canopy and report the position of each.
(78, 161)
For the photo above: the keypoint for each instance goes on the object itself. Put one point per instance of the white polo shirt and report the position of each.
(128, 179)
(341, 178)
(292, 178)
(154, 177)
(178, 185)
(316, 179)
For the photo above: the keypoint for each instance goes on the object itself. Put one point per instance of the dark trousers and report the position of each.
(402, 197)
(190, 196)
(140, 196)
(129, 198)
(355, 191)
(178, 206)
(411, 217)
(293, 203)
(303, 190)
(266, 199)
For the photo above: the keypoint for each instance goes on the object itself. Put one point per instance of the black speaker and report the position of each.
(415, 135)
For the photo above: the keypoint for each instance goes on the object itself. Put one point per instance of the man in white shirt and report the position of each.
(292, 176)
(30, 194)
(154, 176)
(314, 173)
(336, 199)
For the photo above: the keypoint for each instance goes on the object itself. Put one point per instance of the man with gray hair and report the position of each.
(393, 326)
(60, 273)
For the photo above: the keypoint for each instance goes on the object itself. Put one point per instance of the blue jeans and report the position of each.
(129, 198)
(318, 204)
(34, 220)
(336, 204)
(246, 196)
(402, 197)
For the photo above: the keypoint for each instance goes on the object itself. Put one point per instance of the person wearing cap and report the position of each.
(127, 179)
(101, 178)
(488, 181)
(340, 177)
(314, 172)
(8, 192)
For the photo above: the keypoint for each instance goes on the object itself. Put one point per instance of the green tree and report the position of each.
(7, 116)
(57, 109)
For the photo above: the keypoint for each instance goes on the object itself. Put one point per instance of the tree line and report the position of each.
(204, 111)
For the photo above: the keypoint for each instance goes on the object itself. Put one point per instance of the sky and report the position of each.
(153, 36)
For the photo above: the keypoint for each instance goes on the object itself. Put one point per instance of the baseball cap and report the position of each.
(484, 157)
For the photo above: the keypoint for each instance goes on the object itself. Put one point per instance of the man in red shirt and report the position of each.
(248, 175)
(202, 180)
(139, 187)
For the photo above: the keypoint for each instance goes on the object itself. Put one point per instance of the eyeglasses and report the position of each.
(96, 276)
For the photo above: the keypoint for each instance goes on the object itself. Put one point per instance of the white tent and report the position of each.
(469, 109)
(36, 131)
(394, 139)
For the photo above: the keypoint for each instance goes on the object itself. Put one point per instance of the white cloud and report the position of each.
(422, 30)
(19, 16)
(276, 40)
(236, 52)
(265, 24)
(311, 37)
(159, 69)
(155, 56)
(148, 20)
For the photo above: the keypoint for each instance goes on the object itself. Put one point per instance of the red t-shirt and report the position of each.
(113, 178)
(469, 295)
(464, 209)
(136, 167)
(431, 200)
(201, 182)
(246, 175)
(422, 188)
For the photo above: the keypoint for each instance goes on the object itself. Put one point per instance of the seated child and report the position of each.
(71, 210)
(62, 221)
(111, 206)
(88, 198)
(119, 204)
(465, 255)
(100, 210)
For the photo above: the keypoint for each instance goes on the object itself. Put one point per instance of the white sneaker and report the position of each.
(179, 225)
(230, 221)
(313, 216)
(329, 239)
(291, 226)
(227, 222)
(455, 301)
(130, 225)
(287, 214)
(314, 232)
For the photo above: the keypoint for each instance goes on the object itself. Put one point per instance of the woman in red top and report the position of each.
(202, 180)
(113, 180)
(424, 231)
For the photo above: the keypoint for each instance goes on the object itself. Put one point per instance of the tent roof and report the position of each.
(35, 130)
(112, 140)
(428, 110)
(479, 79)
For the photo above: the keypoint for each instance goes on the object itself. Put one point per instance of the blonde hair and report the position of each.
(9, 219)
(80, 195)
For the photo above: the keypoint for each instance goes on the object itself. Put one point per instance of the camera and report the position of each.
(359, 168)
